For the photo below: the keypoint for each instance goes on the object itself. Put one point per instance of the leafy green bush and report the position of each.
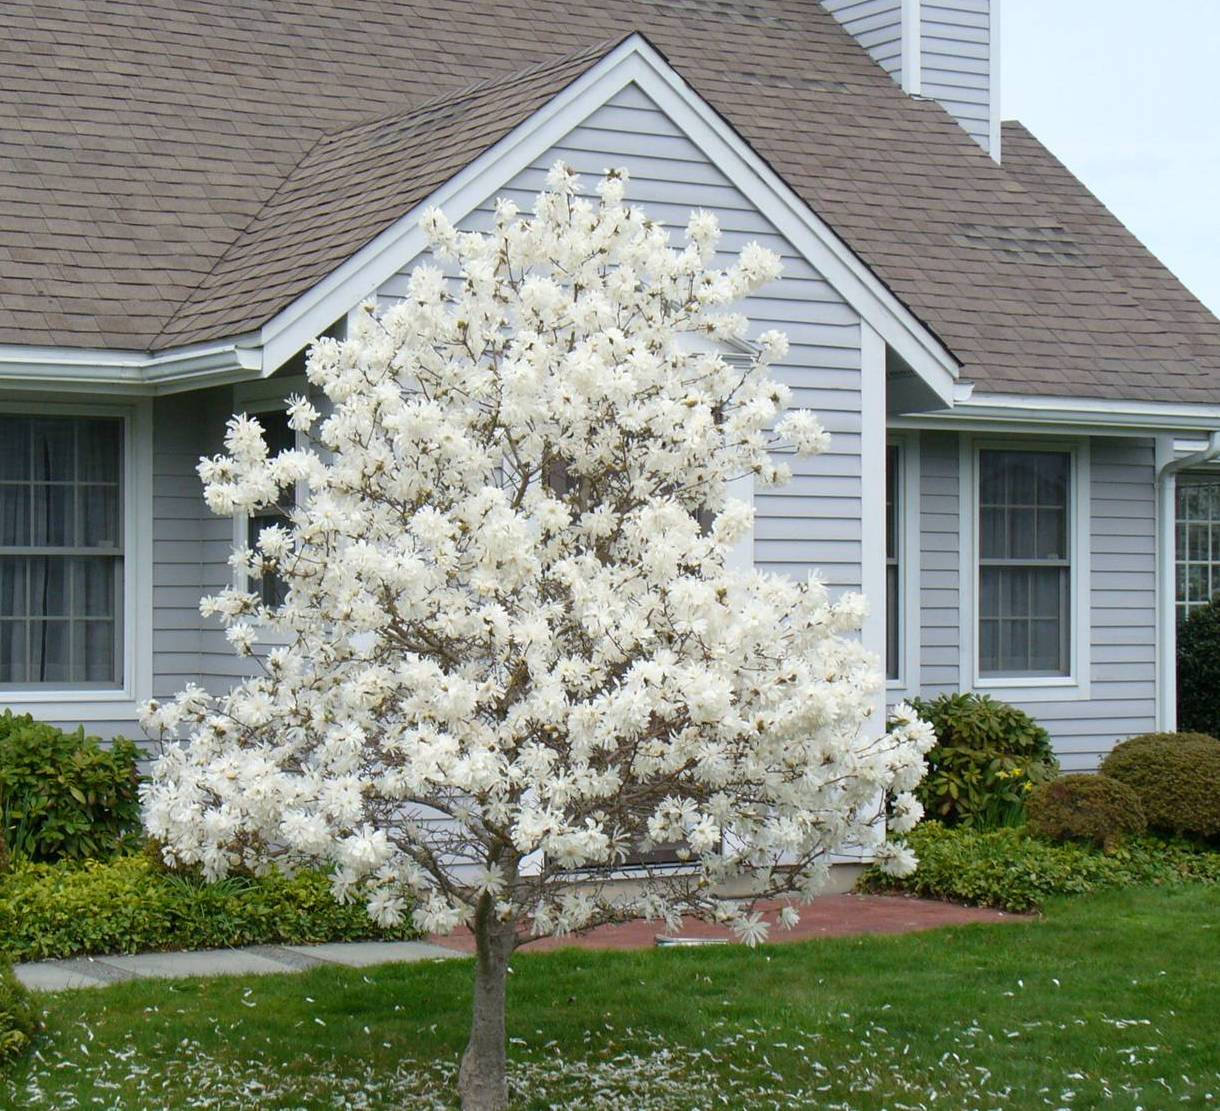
(1092, 808)
(1199, 671)
(1177, 779)
(1012, 870)
(988, 756)
(128, 905)
(64, 796)
(19, 1018)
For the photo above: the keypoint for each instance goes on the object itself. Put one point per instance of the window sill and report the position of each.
(1052, 688)
(75, 706)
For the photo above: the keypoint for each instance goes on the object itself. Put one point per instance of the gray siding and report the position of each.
(813, 522)
(877, 26)
(956, 52)
(1122, 589)
(956, 59)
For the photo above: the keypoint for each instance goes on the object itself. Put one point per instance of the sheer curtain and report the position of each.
(60, 551)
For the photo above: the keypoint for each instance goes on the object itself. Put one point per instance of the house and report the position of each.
(1019, 392)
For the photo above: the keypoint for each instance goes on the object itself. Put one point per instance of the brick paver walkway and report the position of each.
(826, 916)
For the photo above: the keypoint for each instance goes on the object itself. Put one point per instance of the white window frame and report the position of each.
(89, 704)
(1075, 685)
(906, 682)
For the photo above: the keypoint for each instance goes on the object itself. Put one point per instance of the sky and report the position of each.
(1127, 94)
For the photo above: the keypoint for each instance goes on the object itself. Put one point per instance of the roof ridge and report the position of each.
(453, 97)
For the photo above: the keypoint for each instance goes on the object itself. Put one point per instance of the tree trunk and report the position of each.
(483, 1080)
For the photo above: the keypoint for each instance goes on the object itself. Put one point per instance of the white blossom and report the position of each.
(510, 653)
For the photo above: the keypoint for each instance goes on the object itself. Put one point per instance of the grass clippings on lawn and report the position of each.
(1109, 1002)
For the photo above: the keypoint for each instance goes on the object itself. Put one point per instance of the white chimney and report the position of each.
(946, 50)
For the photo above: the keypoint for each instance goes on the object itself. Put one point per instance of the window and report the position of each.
(61, 552)
(1198, 542)
(279, 437)
(893, 570)
(1024, 563)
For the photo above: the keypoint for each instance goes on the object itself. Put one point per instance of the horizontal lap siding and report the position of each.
(1122, 587)
(939, 567)
(1123, 611)
(812, 523)
(955, 51)
(876, 25)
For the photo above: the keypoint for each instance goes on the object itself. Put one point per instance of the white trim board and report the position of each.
(634, 61)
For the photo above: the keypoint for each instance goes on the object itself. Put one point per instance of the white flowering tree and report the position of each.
(512, 657)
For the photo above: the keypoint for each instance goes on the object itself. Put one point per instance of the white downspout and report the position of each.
(1167, 632)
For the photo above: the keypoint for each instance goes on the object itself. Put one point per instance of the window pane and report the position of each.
(94, 643)
(12, 652)
(53, 511)
(14, 449)
(53, 458)
(49, 651)
(891, 621)
(93, 587)
(14, 515)
(99, 506)
(276, 432)
(271, 588)
(891, 502)
(98, 458)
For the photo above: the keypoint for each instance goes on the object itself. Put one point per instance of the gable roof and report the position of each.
(176, 172)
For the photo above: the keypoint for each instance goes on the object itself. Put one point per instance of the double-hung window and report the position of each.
(1024, 563)
(61, 552)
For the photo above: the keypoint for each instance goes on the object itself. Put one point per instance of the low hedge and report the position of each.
(129, 905)
(1177, 779)
(1012, 870)
(1092, 808)
(19, 1018)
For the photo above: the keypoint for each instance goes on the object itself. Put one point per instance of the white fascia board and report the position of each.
(1079, 414)
(132, 373)
(633, 62)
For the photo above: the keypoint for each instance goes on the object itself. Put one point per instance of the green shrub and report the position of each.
(64, 796)
(1012, 870)
(128, 905)
(988, 756)
(1092, 808)
(1199, 671)
(19, 1018)
(1177, 779)
(4, 856)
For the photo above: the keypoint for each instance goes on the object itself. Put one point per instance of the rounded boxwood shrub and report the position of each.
(987, 757)
(65, 795)
(19, 1018)
(1199, 671)
(1177, 779)
(1093, 808)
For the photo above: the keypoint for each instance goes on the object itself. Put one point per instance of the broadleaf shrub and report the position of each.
(1199, 671)
(1177, 779)
(1092, 808)
(1013, 870)
(988, 756)
(65, 795)
(128, 905)
(20, 1019)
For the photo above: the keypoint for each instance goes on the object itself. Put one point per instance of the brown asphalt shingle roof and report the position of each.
(178, 170)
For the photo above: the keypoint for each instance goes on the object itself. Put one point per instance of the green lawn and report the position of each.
(1111, 1000)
